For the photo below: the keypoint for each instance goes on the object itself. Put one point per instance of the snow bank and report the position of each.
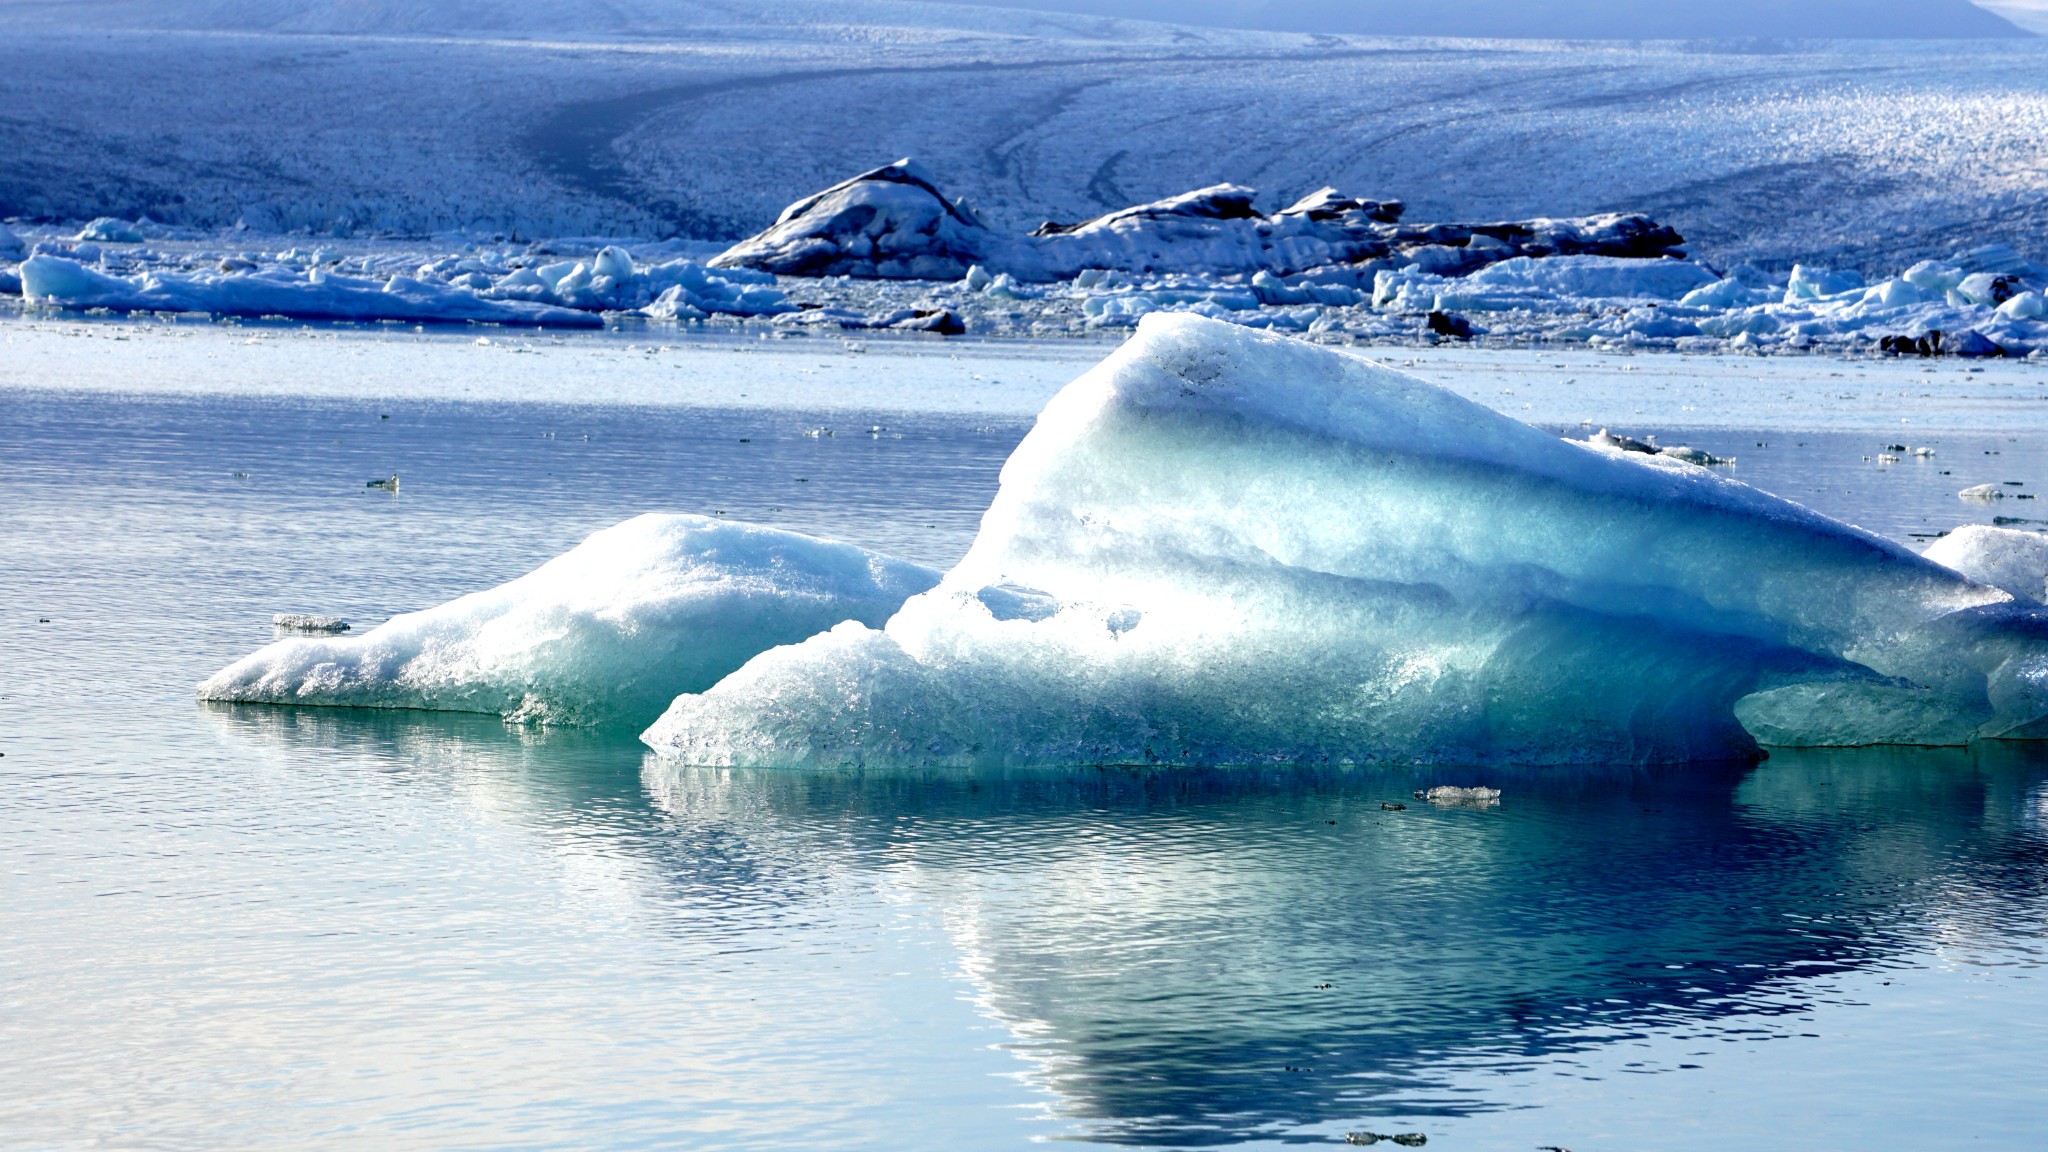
(2002, 557)
(314, 295)
(611, 630)
(1223, 546)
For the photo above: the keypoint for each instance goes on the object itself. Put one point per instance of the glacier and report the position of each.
(608, 632)
(1225, 546)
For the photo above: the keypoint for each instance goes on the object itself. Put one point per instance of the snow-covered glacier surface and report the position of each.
(1226, 546)
(607, 632)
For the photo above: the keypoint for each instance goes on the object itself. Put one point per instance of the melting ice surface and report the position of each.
(1220, 546)
(611, 630)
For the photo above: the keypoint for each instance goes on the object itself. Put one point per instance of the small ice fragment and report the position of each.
(388, 484)
(1698, 456)
(1923, 451)
(1452, 795)
(1982, 492)
(301, 622)
(1605, 439)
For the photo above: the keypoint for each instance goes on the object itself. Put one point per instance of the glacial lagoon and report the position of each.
(235, 924)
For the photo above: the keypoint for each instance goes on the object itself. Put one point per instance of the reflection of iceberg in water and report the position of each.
(1152, 942)
(1158, 944)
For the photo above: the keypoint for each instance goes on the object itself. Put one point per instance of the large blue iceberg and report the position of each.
(1221, 546)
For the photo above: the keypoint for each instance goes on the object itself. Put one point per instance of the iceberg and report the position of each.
(11, 245)
(610, 281)
(892, 222)
(111, 230)
(1223, 546)
(1596, 276)
(315, 295)
(608, 632)
(2001, 557)
(895, 222)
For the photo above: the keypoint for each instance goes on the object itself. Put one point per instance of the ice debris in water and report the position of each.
(1333, 561)
(1450, 795)
(2002, 557)
(315, 294)
(111, 230)
(1982, 492)
(301, 622)
(610, 631)
(563, 293)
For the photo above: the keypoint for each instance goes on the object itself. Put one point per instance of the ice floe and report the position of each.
(1224, 546)
(456, 289)
(609, 631)
(315, 294)
(2002, 557)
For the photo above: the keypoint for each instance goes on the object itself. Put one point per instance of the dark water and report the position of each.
(251, 927)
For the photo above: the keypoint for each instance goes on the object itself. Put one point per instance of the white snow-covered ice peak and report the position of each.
(610, 631)
(1223, 546)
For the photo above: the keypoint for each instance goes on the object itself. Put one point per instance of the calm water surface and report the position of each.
(251, 927)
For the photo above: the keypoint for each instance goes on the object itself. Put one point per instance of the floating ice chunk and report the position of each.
(1452, 796)
(2028, 305)
(1729, 293)
(895, 222)
(1932, 277)
(1820, 283)
(317, 295)
(1982, 492)
(110, 230)
(2001, 557)
(1700, 456)
(892, 222)
(1987, 288)
(1613, 442)
(611, 630)
(1337, 562)
(1597, 276)
(301, 622)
